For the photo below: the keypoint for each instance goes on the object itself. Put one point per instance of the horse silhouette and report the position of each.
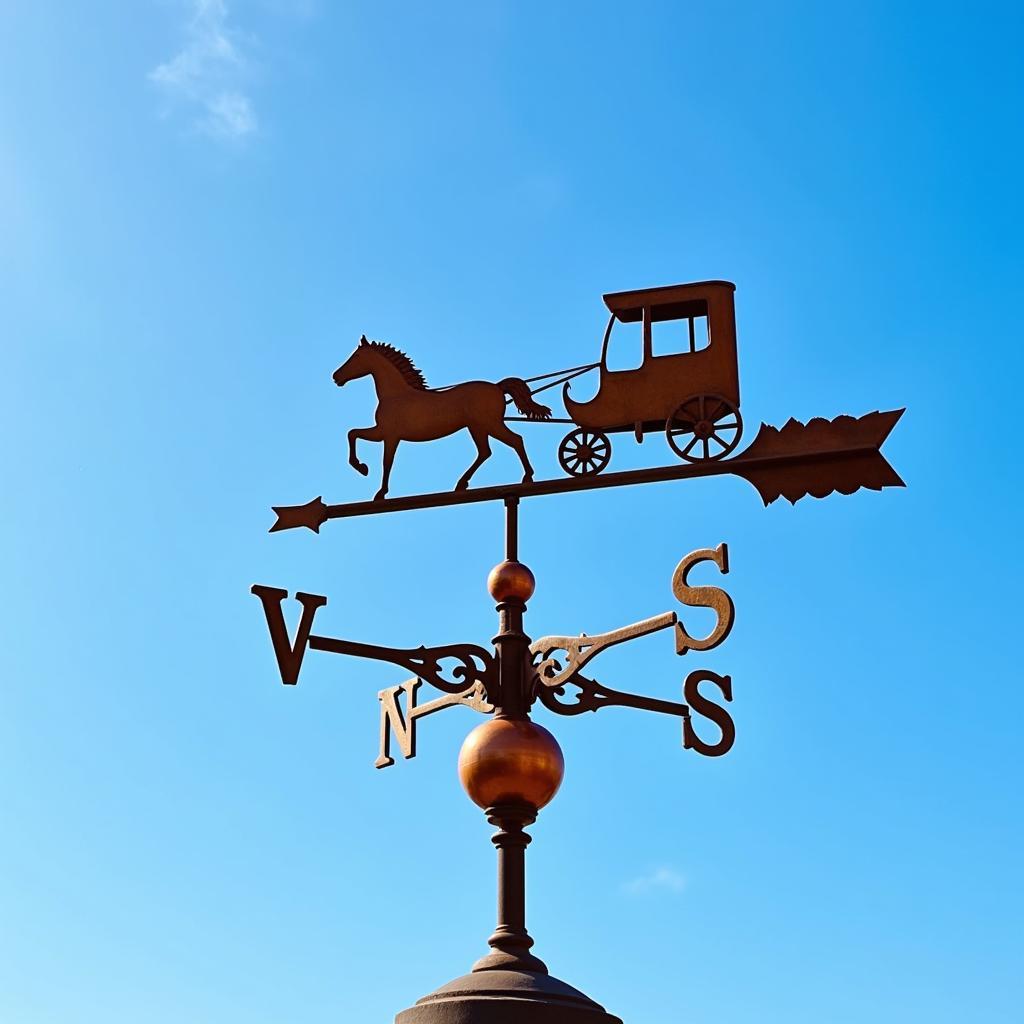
(407, 410)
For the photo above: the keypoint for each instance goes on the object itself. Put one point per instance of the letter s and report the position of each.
(709, 709)
(703, 597)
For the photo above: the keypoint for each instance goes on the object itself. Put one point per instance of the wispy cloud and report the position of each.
(209, 73)
(659, 880)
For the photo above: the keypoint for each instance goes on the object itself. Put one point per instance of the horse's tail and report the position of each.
(518, 390)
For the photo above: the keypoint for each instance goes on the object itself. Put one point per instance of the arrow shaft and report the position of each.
(795, 460)
(539, 488)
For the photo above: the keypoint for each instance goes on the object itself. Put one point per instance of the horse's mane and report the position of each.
(413, 376)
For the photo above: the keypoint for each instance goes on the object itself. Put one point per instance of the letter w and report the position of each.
(289, 654)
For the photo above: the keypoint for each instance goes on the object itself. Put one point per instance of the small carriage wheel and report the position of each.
(584, 452)
(704, 428)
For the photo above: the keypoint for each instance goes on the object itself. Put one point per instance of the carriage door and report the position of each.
(626, 345)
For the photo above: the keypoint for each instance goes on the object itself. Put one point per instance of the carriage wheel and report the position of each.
(584, 452)
(704, 428)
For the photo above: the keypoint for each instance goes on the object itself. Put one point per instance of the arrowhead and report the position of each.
(312, 515)
(821, 456)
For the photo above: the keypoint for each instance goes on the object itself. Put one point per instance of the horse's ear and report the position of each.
(363, 341)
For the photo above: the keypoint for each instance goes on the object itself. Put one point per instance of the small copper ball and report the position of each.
(505, 761)
(511, 580)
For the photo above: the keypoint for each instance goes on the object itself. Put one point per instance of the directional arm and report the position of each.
(592, 696)
(551, 672)
(473, 664)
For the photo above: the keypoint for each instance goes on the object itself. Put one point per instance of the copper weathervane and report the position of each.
(509, 765)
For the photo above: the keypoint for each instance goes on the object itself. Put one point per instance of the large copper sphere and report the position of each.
(511, 580)
(505, 761)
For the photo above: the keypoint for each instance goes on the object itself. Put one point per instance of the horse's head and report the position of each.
(357, 365)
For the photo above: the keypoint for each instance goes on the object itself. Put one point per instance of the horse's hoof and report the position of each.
(462, 485)
(380, 495)
(528, 478)
(361, 468)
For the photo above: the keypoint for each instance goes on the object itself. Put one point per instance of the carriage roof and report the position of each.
(672, 302)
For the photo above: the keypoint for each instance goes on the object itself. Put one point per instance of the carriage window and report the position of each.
(625, 347)
(671, 337)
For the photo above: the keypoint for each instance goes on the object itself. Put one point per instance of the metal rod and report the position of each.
(556, 383)
(511, 644)
(563, 380)
(512, 529)
(526, 419)
(512, 881)
(315, 513)
(814, 459)
(510, 943)
(582, 368)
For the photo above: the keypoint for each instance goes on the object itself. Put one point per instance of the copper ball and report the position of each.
(506, 761)
(511, 580)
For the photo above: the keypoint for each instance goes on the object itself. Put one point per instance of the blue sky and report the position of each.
(202, 207)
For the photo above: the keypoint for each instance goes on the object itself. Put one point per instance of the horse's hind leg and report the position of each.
(483, 453)
(515, 442)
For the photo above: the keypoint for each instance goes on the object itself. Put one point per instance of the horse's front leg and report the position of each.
(390, 447)
(365, 434)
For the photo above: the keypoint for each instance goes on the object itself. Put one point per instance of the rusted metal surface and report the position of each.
(401, 723)
(662, 384)
(593, 695)
(510, 942)
(841, 455)
(690, 392)
(408, 410)
(554, 672)
(510, 766)
(507, 682)
(506, 997)
(705, 596)
(472, 663)
(793, 462)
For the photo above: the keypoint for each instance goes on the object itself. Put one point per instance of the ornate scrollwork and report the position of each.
(472, 664)
(593, 695)
(553, 672)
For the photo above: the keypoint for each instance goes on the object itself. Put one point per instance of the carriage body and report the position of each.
(642, 399)
(691, 392)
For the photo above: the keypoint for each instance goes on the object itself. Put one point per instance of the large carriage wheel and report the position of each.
(704, 428)
(584, 452)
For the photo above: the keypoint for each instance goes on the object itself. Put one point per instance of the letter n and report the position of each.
(289, 653)
(393, 721)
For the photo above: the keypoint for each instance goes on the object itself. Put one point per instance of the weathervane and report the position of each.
(510, 766)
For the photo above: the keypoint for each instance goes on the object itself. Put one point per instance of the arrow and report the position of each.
(800, 459)
(819, 457)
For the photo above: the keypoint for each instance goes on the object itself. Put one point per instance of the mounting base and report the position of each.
(506, 997)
